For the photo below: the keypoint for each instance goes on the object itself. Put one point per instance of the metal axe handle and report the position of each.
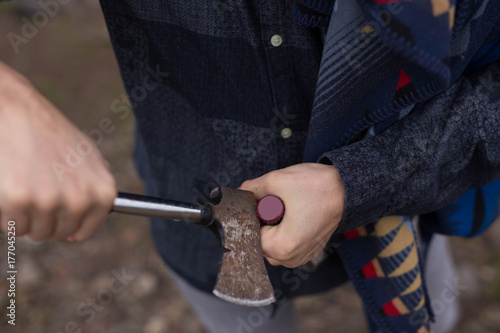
(135, 204)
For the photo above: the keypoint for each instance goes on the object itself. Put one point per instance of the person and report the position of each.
(357, 114)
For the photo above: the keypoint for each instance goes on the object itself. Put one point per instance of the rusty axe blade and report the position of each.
(232, 217)
(242, 277)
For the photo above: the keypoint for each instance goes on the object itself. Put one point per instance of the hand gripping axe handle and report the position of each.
(232, 217)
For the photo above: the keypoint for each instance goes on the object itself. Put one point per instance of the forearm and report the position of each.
(427, 160)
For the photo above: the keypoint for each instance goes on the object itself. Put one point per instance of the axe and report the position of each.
(232, 217)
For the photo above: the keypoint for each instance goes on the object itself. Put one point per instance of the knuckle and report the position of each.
(108, 180)
(273, 262)
(291, 264)
(106, 194)
(245, 184)
(47, 201)
(16, 198)
(282, 251)
(272, 179)
(77, 205)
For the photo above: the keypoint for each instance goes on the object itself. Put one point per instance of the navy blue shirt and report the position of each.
(234, 81)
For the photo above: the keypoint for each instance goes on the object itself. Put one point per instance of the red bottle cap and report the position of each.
(270, 209)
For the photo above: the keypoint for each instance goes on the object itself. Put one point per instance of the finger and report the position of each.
(317, 246)
(65, 227)
(42, 225)
(308, 258)
(291, 263)
(69, 220)
(259, 186)
(21, 219)
(101, 205)
(273, 262)
(299, 260)
(91, 223)
(276, 246)
(268, 236)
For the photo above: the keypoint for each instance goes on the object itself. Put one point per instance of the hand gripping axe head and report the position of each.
(232, 216)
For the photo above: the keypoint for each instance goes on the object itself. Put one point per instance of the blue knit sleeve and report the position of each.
(429, 159)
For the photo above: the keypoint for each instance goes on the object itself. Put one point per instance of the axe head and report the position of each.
(242, 277)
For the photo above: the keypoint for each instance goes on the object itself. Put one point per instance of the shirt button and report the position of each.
(286, 133)
(276, 40)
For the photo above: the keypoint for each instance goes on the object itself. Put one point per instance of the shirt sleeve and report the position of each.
(428, 159)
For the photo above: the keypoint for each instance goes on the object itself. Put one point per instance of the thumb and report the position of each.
(257, 186)
(268, 235)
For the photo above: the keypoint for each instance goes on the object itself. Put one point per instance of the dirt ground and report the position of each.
(70, 61)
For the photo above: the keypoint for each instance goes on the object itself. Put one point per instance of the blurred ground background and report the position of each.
(70, 61)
